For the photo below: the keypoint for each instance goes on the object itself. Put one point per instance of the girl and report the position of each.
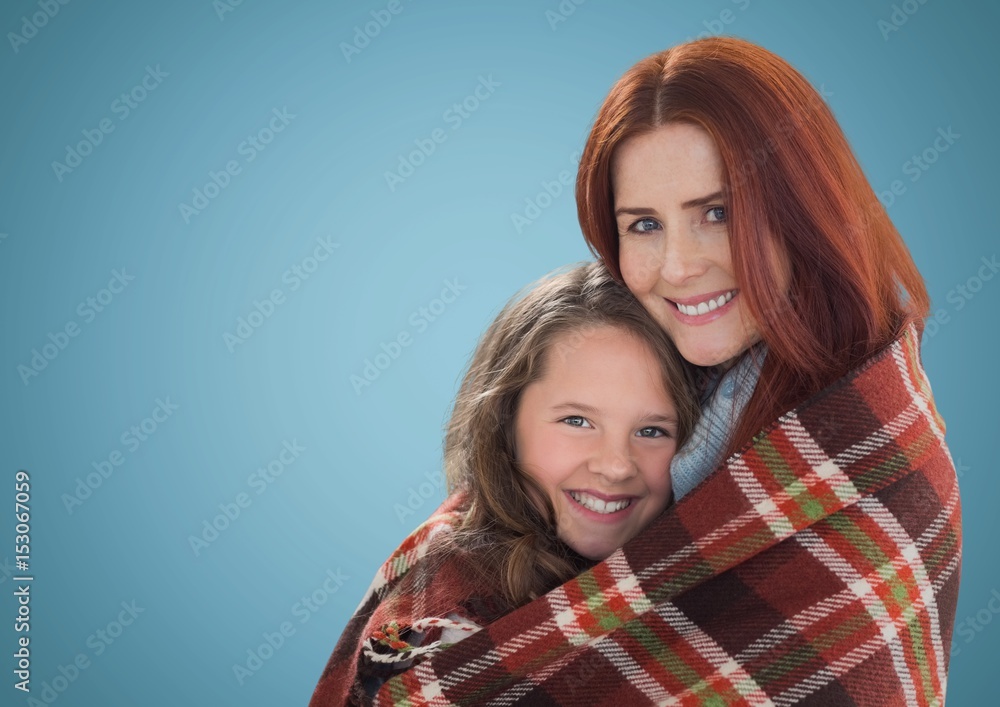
(557, 453)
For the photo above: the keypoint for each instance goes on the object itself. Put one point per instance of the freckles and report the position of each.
(651, 268)
(625, 264)
(648, 259)
(639, 268)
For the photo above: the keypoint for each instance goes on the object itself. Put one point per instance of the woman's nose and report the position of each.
(680, 258)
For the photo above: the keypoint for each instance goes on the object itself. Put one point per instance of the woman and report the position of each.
(814, 553)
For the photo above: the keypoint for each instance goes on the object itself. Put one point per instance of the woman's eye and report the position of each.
(644, 225)
(575, 421)
(716, 214)
(653, 432)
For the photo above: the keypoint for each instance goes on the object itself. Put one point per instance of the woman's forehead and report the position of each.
(678, 162)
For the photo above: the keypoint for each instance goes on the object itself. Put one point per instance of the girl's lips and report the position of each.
(604, 496)
(595, 517)
(699, 319)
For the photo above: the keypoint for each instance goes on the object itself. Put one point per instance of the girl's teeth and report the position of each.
(705, 307)
(598, 505)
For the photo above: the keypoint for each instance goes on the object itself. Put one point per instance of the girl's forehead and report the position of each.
(584, 353)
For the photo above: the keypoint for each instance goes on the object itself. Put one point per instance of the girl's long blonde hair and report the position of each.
(514, 542)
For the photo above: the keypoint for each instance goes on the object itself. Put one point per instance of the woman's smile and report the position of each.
(703, 309)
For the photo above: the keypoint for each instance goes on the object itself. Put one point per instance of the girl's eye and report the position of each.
(719, 212)
(653, 432)
(575, 421)
(644, 225)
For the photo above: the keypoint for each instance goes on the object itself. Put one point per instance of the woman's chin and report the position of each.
(707, 356)
(713, 353)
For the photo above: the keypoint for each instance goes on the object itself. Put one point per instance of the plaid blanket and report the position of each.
(819, 566)
(426, 596)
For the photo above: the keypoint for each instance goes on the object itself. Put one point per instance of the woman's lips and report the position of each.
(708, 317)
(704, 297)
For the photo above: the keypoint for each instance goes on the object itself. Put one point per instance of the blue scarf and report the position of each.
(726, 395)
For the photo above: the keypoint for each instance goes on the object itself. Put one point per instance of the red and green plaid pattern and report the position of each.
(819, 566)
(424, 581)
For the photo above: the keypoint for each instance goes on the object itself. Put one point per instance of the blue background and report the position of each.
(368, 452)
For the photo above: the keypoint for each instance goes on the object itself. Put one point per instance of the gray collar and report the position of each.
(722, 404)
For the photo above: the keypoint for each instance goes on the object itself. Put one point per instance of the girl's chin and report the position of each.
(595, 554)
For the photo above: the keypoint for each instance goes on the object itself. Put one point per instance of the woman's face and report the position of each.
(597, 432)
(673, 241)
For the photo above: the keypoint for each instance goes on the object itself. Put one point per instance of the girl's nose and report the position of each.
(613, 461)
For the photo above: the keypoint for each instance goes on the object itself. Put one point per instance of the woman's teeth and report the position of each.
(598, 505)
(693, 310)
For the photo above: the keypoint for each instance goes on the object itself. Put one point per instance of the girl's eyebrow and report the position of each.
(591, 410)
(658, 417)
(690, 204)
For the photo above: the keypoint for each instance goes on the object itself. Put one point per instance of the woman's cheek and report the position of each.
(636, 266)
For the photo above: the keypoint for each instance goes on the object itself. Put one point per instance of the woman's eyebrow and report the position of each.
(634, 210)
(690, 204)
(702, 200)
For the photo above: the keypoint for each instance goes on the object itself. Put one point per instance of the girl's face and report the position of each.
(673, 241)
(597, 432)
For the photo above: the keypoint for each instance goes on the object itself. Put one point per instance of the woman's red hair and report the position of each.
(791, 178)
